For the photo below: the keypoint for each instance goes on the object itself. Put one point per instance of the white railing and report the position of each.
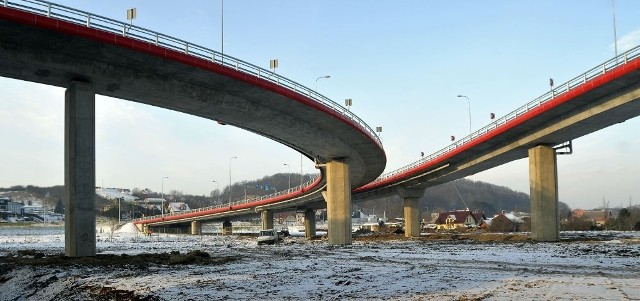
(559, 90)
(240, 202)
(90, 20)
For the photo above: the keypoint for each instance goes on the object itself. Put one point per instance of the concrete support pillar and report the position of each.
(411, 199)
(227, 228)
(196, 228)
(543, 181)
(267, 219)
(338, 198)
(79, 171)
(309, 223)
(411, 217)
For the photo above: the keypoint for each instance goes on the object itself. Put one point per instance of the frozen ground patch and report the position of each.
(300, 270)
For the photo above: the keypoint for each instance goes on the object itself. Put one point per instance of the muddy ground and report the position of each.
(452, 266)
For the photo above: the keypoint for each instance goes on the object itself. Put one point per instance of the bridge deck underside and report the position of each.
(611, 103)
(123, 68)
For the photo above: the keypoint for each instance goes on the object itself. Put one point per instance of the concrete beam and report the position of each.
(79, 171)
(309, 223)
(267, 219)
(338, 199)
(543, 179)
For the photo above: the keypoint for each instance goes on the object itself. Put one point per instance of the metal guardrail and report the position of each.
(559, 90)
(241, 202)
(90, 20)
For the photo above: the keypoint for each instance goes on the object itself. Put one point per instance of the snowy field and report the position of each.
(587, 266)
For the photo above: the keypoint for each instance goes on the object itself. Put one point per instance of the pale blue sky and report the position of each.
(402, 63)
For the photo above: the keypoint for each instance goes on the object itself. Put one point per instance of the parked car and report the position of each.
(269, 236)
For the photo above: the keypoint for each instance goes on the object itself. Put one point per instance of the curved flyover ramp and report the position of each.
(55, 45)
(603, 96)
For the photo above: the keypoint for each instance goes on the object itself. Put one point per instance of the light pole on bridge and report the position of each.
(234, 157)
(469, 102)
(218, 188)
(289, 173)
(162, 195)
(319, 77)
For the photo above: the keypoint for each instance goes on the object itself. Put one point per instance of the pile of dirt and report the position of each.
(34, 258)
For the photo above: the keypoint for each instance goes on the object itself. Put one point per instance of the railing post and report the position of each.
(88, 20)
(4, 3)
(156, 39)
(48, 8)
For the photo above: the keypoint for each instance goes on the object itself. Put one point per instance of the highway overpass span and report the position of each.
(605, 95)
(88, 54)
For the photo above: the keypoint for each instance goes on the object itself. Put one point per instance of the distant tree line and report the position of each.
(477, 196)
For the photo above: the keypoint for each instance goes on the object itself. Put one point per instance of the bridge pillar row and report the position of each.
(309, 223)
(79, 171)
(267, 219)
(543, 181)
(338, 198)
(411, 199)
(196, 228)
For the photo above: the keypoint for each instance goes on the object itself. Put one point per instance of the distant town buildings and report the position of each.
(178, 207)
(451, 220)
(7, 205)
(116, 193)
(597, 218)
(507, 222)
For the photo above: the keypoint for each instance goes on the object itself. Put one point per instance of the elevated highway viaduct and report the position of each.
(46, 43)
(603, 96)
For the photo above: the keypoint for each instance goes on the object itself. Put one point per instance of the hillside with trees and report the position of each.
(475, 195)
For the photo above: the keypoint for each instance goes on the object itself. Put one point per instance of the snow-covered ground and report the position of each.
(598, 266)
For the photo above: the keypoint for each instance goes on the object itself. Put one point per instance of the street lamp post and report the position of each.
(301, 158)
(218, 185)
(319, 77)
(234, 157)
(222, 30)
(162, 196)
(289, 174)
(469, 102)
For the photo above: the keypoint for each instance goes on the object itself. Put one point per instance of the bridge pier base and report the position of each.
(309, 223)
(227, 228)
(196, 228)
(338, 198)
(267, 219)
(543, 181)
(79, 171)
(411, 211)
